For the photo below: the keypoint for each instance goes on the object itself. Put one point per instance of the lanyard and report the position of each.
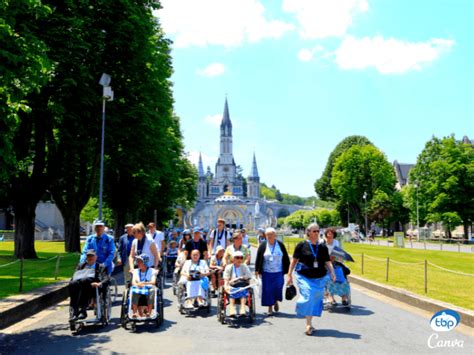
(218, 262)
(235, 272)
(196, 266)
(142, 279)
(272, 250)
(315, 254)
(140, 245)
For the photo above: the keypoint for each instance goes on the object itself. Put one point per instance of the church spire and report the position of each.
(200, 166)
(226, 124)
(254, 171)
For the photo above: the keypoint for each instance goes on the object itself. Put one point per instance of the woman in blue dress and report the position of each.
(310, 260)
(271, 265)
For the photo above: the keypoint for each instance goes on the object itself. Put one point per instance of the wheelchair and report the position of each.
(223, 302)
(102, 307)
(182, 297)
(157, 314)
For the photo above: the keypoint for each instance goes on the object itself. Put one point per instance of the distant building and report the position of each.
(227, 195)
(401, 172)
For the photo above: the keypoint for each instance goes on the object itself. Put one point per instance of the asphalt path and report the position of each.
(375, 325)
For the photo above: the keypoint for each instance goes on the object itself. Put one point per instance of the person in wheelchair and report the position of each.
(194, 277)
(237, 276)
(88, 276)
(340, 286)
(216, 267)
(171, 256)
(143, 282)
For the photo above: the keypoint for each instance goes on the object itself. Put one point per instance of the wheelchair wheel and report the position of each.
(160, 316)
(251, 305)
(104, 310)
(113, 289)
(72, 324)
(221, 308)
(124, 310)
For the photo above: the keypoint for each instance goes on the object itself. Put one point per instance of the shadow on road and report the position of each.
(333, 333)
(89, 337)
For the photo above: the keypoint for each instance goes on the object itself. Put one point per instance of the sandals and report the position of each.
(309, 330)
(276, 307)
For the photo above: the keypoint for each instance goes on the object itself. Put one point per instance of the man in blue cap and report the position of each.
(103, 245)
(196, 243)
(124, 248)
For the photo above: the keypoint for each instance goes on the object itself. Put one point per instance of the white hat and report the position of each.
(129, 225)
(237, 253)
(99, 223)
(219, 248)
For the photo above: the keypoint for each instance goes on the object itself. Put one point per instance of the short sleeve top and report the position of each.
(304, 254)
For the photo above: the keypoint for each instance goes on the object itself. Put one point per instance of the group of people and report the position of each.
(206, 262)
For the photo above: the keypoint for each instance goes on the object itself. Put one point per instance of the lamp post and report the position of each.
(348, 215)
(107, 95)
(365, 207)
(417, 214)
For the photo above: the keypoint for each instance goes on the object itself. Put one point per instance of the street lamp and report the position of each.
(107, 95)
(365, 205)
(417, 214)
(348, 215)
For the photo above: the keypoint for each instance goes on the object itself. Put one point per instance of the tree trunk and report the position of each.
(25, 214)
(466, 230)
(72, 239)
(119, 223)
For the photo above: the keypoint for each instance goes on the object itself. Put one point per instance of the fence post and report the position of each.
(378, 242)
(21, 274)
(459, 247)
(424, 242)
(362, 264)
(426, 276)
(56, 271)
(441, 246)
(388, 262)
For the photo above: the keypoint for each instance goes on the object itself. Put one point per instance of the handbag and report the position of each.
(290, 292)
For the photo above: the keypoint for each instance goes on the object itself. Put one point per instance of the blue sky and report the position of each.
(300, 75)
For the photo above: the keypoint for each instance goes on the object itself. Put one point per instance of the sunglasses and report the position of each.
(238, 257)
(315, 231)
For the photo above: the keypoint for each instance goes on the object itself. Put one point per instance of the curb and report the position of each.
(425, 303)
(29, 303)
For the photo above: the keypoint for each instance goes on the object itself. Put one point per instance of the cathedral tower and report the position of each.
(253, 181)
(202, 184)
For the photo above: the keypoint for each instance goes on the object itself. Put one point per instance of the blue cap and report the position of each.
(196, 230)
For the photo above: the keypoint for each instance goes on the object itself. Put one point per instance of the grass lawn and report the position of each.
(36, 273)
(442, 285)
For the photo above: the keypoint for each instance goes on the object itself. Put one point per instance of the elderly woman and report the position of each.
(310, 260)
(143, 280)
(236, 276)
(237, 246)
(329, 239)
(272, 264)
(143, 245)
(194, 275)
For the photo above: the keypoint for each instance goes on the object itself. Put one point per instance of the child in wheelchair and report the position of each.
(236, 278)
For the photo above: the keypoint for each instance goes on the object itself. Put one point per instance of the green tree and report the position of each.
(444, 176)
(359, 170)
(323, 186)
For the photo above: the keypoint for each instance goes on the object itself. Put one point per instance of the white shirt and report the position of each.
(245, 241)
(225, 235)
(158, 237)
(146, 249)
(335, 243)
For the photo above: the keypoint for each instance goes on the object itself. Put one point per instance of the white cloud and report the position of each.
(324, 18)
(389, 56)
(214, 120)
(307, 54)
(229, 23)
(213, 69)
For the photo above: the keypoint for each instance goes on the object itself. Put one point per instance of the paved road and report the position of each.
(374, 326)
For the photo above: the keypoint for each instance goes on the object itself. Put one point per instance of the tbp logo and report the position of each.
(445, 320)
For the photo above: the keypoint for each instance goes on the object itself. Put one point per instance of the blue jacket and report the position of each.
(104, 247)
(124, 247)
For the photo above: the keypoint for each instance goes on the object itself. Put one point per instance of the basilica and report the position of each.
(226, 194)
